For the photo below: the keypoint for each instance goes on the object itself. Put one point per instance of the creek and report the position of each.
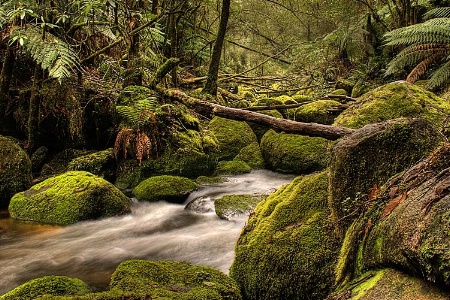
(91, 250)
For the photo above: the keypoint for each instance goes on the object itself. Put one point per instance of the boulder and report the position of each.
(15, 170)
(232, 167)
(68, 198)
(389, 284)
(230, 206)
(101, 163)
(48, 285)
(291, 153)
(168, 188)
(395, 100)
(369, 157)
(316, 112)
(232, 136)
(173, 280)
(251, 155)
(287, 249)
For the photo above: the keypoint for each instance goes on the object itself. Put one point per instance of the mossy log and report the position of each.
(288, 126)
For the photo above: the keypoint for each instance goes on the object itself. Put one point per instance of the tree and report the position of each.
(211, 82)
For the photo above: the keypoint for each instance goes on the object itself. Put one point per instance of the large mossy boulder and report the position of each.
(395, 100)
(101, 163)
(48, 285)
(232, 167)
(230, 206)
(408, 226)
(68, 198)
(287, 249)
(168, 188)
(173, 280)
(389, 284)
(251, 155)
(291, 153)
(15, 170)
(372, 155)
(316, 112)
(231, 135)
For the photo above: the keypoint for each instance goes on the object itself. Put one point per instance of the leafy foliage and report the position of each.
(426, 45)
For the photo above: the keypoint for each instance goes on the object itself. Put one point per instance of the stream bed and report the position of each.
(91, 250)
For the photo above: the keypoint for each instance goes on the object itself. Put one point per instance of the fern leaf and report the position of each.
(441, 12)
(440, 76)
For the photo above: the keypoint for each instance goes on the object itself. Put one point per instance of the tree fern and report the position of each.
(53, 54)
(427, 44)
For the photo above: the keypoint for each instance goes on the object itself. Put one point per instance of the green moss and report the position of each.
(165, 187)
(290, 153)
(68, 198)
(59, 162)
(232, 167)
(299, 97)
(251, 155)
(365, 286)
(38, 158)
(231, 135)
(102, 163)
(132, 94)
(229, 206)
(50, 285)
(340, 92)
(287, 249)
(285, 99)
(173, 280)
(316, 112)
(360, 88)
(395, 100)
(15, 170)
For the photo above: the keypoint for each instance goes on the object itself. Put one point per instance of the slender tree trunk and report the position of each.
(5, 80)
(155, 7)
(211, 82)
(33, 110)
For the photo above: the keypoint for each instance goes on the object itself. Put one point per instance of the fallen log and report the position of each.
(288, 126)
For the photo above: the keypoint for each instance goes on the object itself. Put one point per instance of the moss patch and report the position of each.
(169, 188)
(251, 155)
(287, 250)
(102, 163)
(15, 170)
(232, 167)
(395, 100)
(231, 135)
(316, 112)
(290, 153)
(229, 206)
(68, 198)
(173, 280)
(48, 285)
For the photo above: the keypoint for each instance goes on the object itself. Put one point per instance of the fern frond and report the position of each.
(53, 54)
(440, 76)
(421, 68)
(129, 114)
(440, 12)
(432, 31)
(123, 141)
(414, 54)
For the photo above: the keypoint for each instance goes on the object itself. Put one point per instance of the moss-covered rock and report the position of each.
(291, 153)
(173, 280)
(38, 158)
(169, 188)
(68, 198)
(58, 163)
(230, 206)
(232, 167)
(316, 112)
(251, 155)
(287, 249)
(48, 285)
(360, 88)
(101, 163)
(133, 94)
(389, 284)
(231, 135)
(340, 92)
(408, 226)
(372, 155)
(15, 170)
(395, 100)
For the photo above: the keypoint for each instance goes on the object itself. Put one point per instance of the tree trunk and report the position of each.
(5, 80)
(288, 126)
(33, 111)
(211, 82)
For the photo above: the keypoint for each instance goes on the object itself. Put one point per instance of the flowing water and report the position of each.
(91, 250)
